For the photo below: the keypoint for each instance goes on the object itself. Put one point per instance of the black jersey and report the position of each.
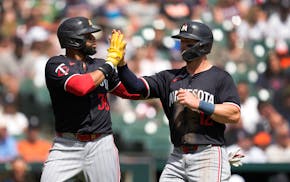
(78, 114)
(187, 126)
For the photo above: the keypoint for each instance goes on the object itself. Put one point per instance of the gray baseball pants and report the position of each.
(98, 160)
(207, 163)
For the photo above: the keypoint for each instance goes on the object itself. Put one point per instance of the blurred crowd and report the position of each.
(251, 42)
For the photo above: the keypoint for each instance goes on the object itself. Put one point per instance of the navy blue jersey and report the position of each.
(187, 126)
(78, 114)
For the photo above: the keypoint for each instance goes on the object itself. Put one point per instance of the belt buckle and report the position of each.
(87, 137)
(80, 137)
(93, 136)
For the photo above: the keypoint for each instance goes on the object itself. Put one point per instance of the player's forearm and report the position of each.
(130, 80)
(82, 84)
(226, 113)
(97, 76)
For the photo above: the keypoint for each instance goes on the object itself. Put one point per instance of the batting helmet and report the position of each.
(71, 32)
(199, 32)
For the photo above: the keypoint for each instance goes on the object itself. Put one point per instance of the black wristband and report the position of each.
(107, 70)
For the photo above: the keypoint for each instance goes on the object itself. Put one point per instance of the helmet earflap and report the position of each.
(77, 43)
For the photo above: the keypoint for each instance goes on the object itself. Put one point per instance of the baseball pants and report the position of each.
(98, 160)
(207, 163)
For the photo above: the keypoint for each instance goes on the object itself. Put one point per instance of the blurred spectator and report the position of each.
(254, 25)
(282, 102)
(8, 147)
(177, 11)
(76, 8)
(279, 22)
(145, 10)
(279, 151)
(15, 120)
(252, 153)
(270, 6)
(34, 61)
(224, 10)
(33, 148)
(235, 52)
(111, 14)
(273, 79)
(262, 139)
(238, 53)
(152, 62)
(18, 172)
(271, 119)
(9, 68)
(33, 93)
(249, 112)
(19, 49)
(9, 23)
(231, 133)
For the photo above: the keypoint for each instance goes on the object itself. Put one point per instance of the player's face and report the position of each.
(187, 43)
(91, 44)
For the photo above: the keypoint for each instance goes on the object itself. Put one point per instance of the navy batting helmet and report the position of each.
(71, 32)
(199, 32)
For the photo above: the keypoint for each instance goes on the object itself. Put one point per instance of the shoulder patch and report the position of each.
(62, 70)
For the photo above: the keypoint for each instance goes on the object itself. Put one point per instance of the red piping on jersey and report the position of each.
(146, 85)
(121, 91)
(80, 85)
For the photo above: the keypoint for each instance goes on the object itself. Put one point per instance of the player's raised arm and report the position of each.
(130, 80)
(226, 113)
(115, 54)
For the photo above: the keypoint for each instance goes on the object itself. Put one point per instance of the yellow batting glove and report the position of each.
(117, 47)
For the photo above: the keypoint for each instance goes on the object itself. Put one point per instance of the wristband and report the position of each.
(107, 70)
(206, 107)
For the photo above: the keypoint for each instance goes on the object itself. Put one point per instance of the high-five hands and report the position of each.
(117, 47)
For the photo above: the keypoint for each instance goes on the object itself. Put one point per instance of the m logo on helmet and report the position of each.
(184, 28)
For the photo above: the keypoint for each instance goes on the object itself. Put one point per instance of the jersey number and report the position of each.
(103, 102)
(205, 120)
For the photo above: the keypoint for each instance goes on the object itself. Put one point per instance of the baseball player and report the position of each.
(78, 85)
(198, 100)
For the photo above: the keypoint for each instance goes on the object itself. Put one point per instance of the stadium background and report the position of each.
(251, 42)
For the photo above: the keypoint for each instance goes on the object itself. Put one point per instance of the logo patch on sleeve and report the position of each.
(61, 70)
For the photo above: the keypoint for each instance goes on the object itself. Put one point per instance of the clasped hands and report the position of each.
(117, 47)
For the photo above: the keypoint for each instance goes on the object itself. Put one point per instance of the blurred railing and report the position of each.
(136, 167)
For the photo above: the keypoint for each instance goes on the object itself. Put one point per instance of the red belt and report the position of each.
(79, 136)
(192, 148)
(189, 148)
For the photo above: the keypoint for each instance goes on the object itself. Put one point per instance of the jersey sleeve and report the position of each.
(228, 91)
(157, 85)
(58, 71)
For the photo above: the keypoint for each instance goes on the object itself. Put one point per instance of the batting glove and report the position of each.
(235, 158)
(116, 50)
